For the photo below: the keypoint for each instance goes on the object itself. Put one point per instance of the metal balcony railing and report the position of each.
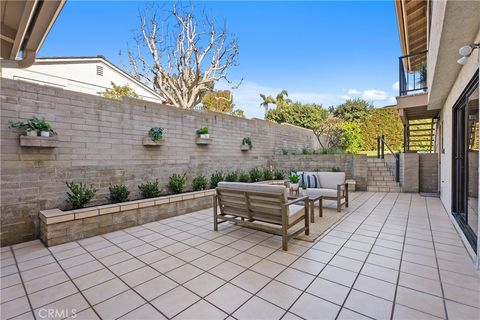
(413, 73)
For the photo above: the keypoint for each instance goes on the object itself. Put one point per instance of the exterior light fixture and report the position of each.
(466, 51)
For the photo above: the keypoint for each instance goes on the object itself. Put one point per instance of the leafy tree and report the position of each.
(350, 138)
(384, 121)
(118, 91)
(298, 114)
(328, 132)
(220, 101)
(352, 110)
(238, 113)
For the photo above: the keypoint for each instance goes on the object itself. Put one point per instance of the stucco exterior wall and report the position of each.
(76, 76)
(100, 142)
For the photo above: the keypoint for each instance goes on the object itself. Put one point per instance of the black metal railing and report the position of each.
(381, 144)
(413, 73)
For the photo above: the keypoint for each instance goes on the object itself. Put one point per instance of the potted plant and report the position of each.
(155, 133)
(45, 128)
(29, 126)
(203, 133)
(246, 144)
(155, 137)
(294, 178)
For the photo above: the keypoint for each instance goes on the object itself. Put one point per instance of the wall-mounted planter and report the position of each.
(244, 147)
(57, 226)
(148, 142)
(203, 141)
(38, 142)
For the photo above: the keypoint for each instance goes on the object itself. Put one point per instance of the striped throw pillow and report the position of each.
(311, 181)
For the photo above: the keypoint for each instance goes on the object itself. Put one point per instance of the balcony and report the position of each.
(413, 74)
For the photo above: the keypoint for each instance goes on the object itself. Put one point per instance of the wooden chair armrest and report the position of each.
(296, 200)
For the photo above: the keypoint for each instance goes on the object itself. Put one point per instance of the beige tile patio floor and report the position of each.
(395, 256)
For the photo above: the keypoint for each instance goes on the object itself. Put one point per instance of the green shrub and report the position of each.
(199, 183)
(255, 175)
(267, 174)
(216, 177)
(118, 193)
(176, 182)
(336, 169)
(279, 174)
(150, 189)
(243, 177)
(203, 130)
(232, 177)
(155, 133)
(284, 151)
(80, 194)
(307, 150)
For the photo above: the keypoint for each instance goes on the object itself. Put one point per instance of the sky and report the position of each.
(319, 51)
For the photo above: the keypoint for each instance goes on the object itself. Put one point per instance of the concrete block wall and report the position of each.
(100, 142)
(428, 172)
(409, 172)
(419, 172)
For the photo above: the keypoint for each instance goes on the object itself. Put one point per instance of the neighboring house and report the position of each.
(90, 75)
(436, 89)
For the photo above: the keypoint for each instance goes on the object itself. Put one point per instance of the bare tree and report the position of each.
(182, 56)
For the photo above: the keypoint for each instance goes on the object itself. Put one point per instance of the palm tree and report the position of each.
(281, 96)
(267, 101)
(270, 100)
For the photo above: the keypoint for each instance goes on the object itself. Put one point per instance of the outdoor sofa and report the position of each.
(261, 207)
(329, 185)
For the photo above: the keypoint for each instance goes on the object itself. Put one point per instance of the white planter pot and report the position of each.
(44, 134)
(294, 186)
(205, 136)
(31, 133)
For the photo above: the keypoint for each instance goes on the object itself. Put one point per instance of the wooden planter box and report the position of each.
(57, 226)
(38, 142)
(203, 141)
(244, 147)
(148, 142)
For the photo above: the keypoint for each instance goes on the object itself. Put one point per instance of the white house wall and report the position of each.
(76, 76)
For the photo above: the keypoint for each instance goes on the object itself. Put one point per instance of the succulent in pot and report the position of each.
(247, 142)
(203, 133)
(294, 181)
(155, 133)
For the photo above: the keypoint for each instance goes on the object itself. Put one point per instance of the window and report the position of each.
(99, 71)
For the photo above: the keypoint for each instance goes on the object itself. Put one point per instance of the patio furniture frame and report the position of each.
(264, 211)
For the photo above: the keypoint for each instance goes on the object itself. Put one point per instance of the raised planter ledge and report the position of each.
(59, 226)
(38, 142)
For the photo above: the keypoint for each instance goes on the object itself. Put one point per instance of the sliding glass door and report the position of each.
(465, 161)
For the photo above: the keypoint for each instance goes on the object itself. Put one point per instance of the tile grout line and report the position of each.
(71, 280)
(436, 260)
(401, 258)
(303, 291)
(326, 264)
(23, 285)
(369, 252)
